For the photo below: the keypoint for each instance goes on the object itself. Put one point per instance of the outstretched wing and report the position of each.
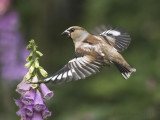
(115, 37)
(77, 68)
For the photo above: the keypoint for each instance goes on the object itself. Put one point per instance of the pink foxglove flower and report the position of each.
(12, 46)
(31, 103)
(21, 112)
(39, 103)
(37, 116)
(26, 118)
(23, 87)
(28, 110)
(46, 92)
(19, 103)
(46, 113)
(28, 97)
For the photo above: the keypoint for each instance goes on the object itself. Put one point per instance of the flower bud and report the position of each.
(36, 63)
(29, 47)
(34, 80)
(39, 53)
(31, 54)
(27, 76)
(31, 69)
(31, 42)
(29, 58)
(28, 64)
(35, 48)
(43, 72)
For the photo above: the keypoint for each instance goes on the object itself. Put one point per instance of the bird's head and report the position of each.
(76, 33)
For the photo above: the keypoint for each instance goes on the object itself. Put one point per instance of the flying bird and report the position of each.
(93, 52)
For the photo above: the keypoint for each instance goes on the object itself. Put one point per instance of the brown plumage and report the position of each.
(92, 52)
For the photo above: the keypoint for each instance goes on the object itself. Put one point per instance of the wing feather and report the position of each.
(77, 68)
(119, 38)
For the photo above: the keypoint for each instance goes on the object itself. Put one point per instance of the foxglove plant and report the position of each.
(31, 103)
(12, 46)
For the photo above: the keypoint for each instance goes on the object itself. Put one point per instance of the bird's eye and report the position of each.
(72, 30)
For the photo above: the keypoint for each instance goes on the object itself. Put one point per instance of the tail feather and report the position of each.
(126, 73)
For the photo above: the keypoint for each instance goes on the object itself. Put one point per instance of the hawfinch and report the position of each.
(92, 52)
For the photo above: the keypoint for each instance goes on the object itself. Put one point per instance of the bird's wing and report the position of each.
(77, 68)
(117, 38)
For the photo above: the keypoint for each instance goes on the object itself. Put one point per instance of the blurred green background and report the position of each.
(106, 95)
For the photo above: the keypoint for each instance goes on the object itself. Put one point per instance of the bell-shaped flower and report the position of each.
(28, 110)
(23, 87)
(18, 102)
(46, 113)
(46, 92)
(26, 118)
(37, 116)
(21, 112)
(28, 97)
(39, 103)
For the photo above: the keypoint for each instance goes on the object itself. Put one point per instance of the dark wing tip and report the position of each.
(120, 37)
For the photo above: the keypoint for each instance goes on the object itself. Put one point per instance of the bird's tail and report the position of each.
(126, 73)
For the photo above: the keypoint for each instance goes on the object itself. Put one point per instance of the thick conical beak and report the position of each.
(66, 33)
